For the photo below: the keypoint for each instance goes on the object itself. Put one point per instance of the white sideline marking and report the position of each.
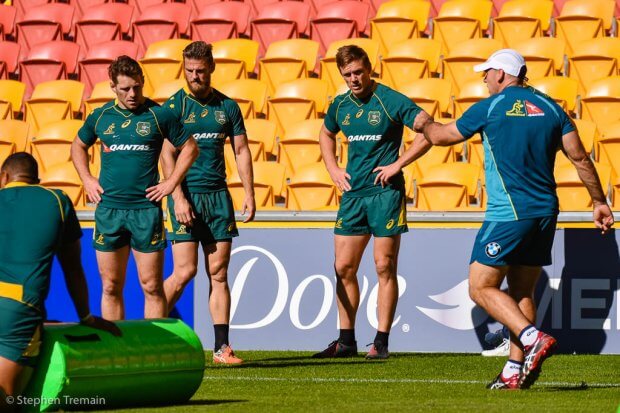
(428, 381)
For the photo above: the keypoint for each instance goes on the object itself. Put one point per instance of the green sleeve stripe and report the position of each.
(100, 115)
(156, 122)
(383, 106)
(62, 212)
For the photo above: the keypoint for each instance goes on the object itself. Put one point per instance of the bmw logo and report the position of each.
(492, 249)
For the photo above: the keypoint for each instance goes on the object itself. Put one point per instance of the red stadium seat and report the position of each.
(161, 22)
(339, 20)
(44, 23)
(48, 61)
(24, 5)
(222, 20)
(109, 21)
(140, 5)
(82, 5)
(198, 6)
(94, 67)
(7, 21)
(279, 21)
(9, 55)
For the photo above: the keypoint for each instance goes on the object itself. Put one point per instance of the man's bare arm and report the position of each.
(442, 135)
(243, 158)
(327, 143)
(79, 156)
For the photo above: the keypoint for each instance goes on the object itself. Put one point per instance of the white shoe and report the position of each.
(503, 350)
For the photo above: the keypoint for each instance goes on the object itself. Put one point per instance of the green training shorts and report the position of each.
(20, 331)
(382, 215)
(143, 229)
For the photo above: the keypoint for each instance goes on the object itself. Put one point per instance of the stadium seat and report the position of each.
(234, 59)
(9, 58)
(408, 60)
(520, 20)
(458, 66)
(100, 95)
(435, 156)
(339, 20)
(163, 62)
(48, 61)
(300, 145)
(607, 146)
(7, 148)
(263, 193)
(562, 89)
(593, 60)
(64, 176)
(278, 21)
(94, 67)
(222, 20)
(141, 5)
(44, 23)
(250, 94)
(17, 132)
(53, 101)
(470, 93)
(102, 23)
(329, 69)
(269, 175)
(544, 56)
(295, 101)
(310, 188)
(399, 20)
(459, 20)
(11, 98)
(448, 186)
(165, 90)
(7, 21)
(52, 143)
(287, 60)
(262, 130)
(572, 194)
(584, 20)
(434, 95)
(602, 102)
(588, 133)
(23, 5)
(161, 22)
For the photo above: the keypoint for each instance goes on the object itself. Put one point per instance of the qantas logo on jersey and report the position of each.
(533, 110)
(205, 135)
(123, 147)
(362, 138)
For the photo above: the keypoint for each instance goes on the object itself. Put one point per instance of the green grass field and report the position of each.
(292, 382)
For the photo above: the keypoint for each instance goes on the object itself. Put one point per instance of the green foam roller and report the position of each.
(155, 362)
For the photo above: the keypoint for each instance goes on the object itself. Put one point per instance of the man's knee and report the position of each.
(385, 267)
(218, 272)
(184, 273)
(112, 286)
(153, 286)
(345, 269)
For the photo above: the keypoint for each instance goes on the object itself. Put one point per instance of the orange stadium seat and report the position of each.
(53, 101)
(329, 69)
(339, 20)
(250, 94)
(24, 5)
(165, 90)
(608, 146)
(94, 67)
(287, 60)
(434, 95)
(310, 188)
(48, 61)
(9, 58)
(140, 5)
(222, 20)
(594, 59)
(279, 21)
(7, 21)
(458, 66)
(562, 89)
(459, 20)
(588, 133)
(572, 194)
(7, 148)
(448, 186)
(520, 20)
(234, 59)
(104, 22)
(17, 132)
(100, 95)
(544, 56)
(64, 176)
(602, 102)
(44, 23)
(470, 93)
(11, 97)
(411, 59)
(262, 130)
(162, 62)
(161, 22)
(52, 143)
(269, 175)
(300, 145)
(584, 20)
(399, 20)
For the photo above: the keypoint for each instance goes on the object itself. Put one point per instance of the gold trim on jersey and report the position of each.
(12, 291)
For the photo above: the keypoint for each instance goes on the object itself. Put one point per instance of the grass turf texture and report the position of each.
(287, 381)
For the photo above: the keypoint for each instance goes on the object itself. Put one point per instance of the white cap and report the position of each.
(509, 60)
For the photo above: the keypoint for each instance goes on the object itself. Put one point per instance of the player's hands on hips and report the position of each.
(102, 324)
(603, 217)
(183, 211)
(385, 173)
(249, 206)
(93, 189)
(158, 192)
(340, 178)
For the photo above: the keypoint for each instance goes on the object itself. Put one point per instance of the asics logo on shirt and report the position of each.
(204, 135)
(358, 138)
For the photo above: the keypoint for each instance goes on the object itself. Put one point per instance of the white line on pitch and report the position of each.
(429, 381)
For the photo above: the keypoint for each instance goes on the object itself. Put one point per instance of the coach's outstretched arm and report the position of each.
(574, 150)
(442, 135)
(327, 143)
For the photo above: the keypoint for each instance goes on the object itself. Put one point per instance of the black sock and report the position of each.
(347, 337)
(381, 340)
(221, 335)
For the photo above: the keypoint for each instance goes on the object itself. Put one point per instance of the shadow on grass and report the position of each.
(211, 402)
(302, 363)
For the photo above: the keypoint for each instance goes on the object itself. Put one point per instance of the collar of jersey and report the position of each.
(16, 183)
(197, 100)
(126, 112)
(359, 102)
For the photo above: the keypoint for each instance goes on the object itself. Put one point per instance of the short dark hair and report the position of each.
(522, 76)
(21, 163)
(126, 66)
(199, 50)
(350, 53)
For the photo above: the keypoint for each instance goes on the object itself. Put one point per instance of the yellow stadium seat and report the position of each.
(298, 100)
(399, 20)
(544, 56)
(250, 94)
(411, 59)
(583, 20)
(101, 94)
(435, 156)
(287, 60)
(264, 131)
(433, 95)
(520, 20)
(475, 151)
(562, 89)
(572, 194)
(471, 92)
(64, 176)
(588, 133)
(593, 60)
(165, 90)
(448, 186)
(458, 66)
(602, 102)
(329, 69)
(460, 20)
(52, 143)
(310, 188)
(52, 101)
(11, 96)
(7, 148)
(268, 178)
(162, 63)
(271, 174)
(17, 132)
(300, 145)
(234, 59)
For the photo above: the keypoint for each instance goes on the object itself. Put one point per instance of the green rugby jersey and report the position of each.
(374, 129)
(34, 222)
(130, 146)
(209, 121)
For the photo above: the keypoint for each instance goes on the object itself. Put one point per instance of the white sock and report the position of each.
(511, 368)
(528, 335)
